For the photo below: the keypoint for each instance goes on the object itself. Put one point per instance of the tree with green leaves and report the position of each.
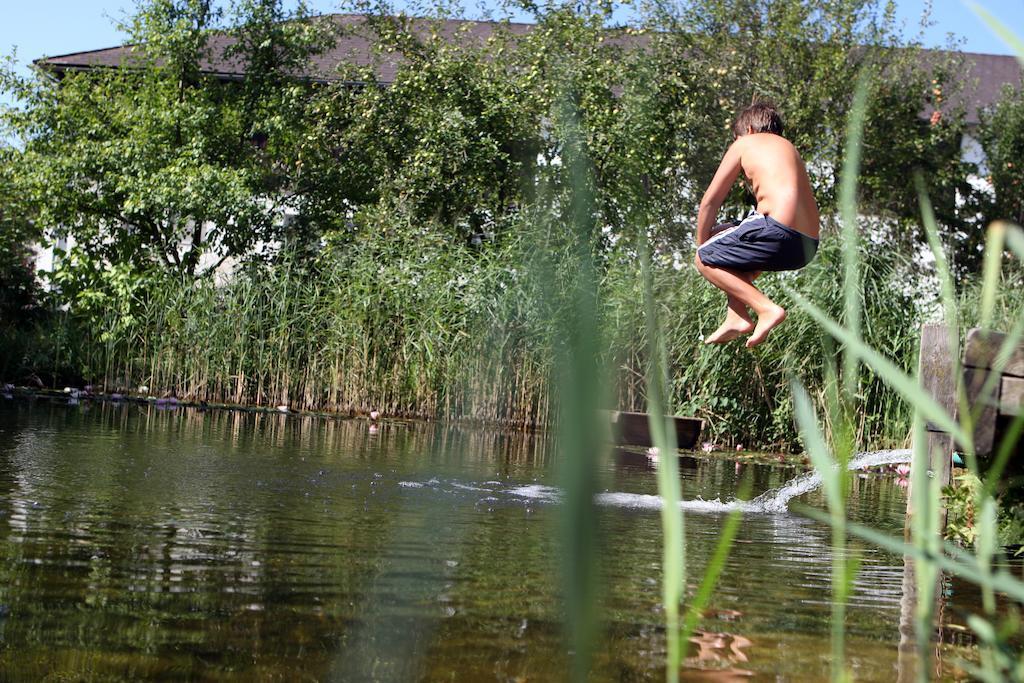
(1002, 138)
(18, 288)
(158, 163)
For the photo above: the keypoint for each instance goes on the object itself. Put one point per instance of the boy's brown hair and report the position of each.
(760, 117)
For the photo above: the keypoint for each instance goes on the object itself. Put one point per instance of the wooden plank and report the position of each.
(937, 375)
(633, 429)
(1011, 396)
(985, 422)
(982, 346)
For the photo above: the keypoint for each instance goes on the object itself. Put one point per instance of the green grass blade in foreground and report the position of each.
(985, 545)
(833, 483)
(924, 511)
(885, 368)
(947, 290)
(991, 274)
(951, 313)
(1014, 236)
(987, 636)
(814, 444)
(851, 237)
(997, 27)
(581, 443)
(672, 522)
(715, 565)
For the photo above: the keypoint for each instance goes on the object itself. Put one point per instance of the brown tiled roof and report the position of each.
(352, 47)
(984, 74)
(984, 78)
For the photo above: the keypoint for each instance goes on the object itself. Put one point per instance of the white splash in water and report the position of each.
(773, 501)
(776, 500)
(547, 494)
(466, 487)
(620, 499)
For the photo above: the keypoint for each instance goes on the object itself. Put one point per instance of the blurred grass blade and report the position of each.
(834, 484)
(663, 431)
(997, 27)
(985, 545)
(924, 514)
(947, 290)
(992, 272)
(814, 445)
(1014, 236)
(951, 313)
(1000, 580)
(851, 236)
(715, 565)
(581, 443)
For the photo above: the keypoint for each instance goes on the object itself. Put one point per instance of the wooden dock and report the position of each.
(634, 429)
(994, 387)
(992, 381)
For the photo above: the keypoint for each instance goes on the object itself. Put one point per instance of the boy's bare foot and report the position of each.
(766, 320)
(730, 329)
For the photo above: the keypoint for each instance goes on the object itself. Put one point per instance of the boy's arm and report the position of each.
(717, 191)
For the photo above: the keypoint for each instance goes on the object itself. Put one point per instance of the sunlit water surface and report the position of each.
(177, 544)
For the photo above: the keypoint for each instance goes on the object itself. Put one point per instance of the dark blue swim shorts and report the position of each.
(758, 243)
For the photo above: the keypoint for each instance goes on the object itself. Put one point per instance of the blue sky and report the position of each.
(50, 27)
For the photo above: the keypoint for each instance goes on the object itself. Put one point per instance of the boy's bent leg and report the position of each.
(740, 286)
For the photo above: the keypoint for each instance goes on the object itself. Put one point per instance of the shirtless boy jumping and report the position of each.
(781, 234)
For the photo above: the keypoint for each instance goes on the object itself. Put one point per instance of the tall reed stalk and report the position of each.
(673, 559)
(582, 437)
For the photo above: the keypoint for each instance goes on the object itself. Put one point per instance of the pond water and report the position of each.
(229, 546)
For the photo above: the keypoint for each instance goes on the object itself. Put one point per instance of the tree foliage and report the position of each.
(1002, 139)
(157, 162)
(162, 163)
(18, 290)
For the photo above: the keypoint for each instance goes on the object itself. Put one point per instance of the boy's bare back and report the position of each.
(777, 177)
(779, 181)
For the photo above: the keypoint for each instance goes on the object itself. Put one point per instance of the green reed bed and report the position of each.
(352, 332)
(427, 330)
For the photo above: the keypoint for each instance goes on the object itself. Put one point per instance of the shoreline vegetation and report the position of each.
(431, 350)
(255, 341)
(404, 248)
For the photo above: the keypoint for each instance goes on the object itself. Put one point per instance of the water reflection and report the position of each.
(137, 542)
(716, 657)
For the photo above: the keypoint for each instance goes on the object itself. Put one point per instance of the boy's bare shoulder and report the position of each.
(760, 151)
(765, 143)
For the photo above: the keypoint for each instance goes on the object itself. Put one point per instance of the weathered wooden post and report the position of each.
(937, 370)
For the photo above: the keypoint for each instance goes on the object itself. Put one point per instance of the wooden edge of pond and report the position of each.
(634, 429)
(980, 362)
